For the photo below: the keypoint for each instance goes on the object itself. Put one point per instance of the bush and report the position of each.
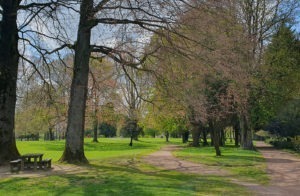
(296, 145)
(281, 143)
(131, 128)
(107, 130)
(151, 132)
(88, 133)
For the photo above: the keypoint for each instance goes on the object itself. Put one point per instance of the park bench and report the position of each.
(45, 163)
(15, 165)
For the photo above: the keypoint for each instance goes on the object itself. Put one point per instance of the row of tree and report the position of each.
(237, 69)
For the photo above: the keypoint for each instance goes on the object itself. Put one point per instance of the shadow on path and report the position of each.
(283, 168)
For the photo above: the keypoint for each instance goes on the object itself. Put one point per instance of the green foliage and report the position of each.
(151, 132)
(107, 130)
(286, 143)
(281, 143)
(166, 116)
(296, 145)
(131, 128)
(41, 109)
(279, 78)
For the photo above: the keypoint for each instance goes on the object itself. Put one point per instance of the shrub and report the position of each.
(296, 145)
(281, 143)
(107, 130)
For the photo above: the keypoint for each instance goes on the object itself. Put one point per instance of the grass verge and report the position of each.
(243, 164)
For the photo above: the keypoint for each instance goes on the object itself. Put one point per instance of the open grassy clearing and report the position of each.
(106, 148)
(115, 169)
(243, 164)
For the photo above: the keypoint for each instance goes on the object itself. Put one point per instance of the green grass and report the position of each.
(106, 148)
(243, 164)
(114, 169)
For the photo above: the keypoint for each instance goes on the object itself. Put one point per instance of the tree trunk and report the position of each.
(131, 139)
(9, 58)
(95, 127)
(211, 138)
(133, 130)
(195, 135)
(246, 133)
(51, 134)
(205, 143)
(74, 148)
(236, 134)
(167, 136)
(185, 136)
(222, 137)
(216, 130)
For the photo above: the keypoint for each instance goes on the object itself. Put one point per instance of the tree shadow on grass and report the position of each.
(165, 179)
(113, 179)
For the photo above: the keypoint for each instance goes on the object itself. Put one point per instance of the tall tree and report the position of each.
(208, 74)
(74, 151)
(279, 77)
(131, 16)
(134, 88)
(9, 59)
(260, 19)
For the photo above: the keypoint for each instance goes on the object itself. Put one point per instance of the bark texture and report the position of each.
(195, 135)
(9, 58)
(95, 130)
(205, 143)
(246, 133)
(216, 129)
(74, 149)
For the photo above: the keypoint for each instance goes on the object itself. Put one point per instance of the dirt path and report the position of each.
(283, 168)
(164, 159)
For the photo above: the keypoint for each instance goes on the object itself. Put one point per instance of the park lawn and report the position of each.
(105, 149)
(114, 169)
(243, 164)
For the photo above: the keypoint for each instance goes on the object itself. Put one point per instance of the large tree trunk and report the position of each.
(9, 58)
(195, 135)
(215, 131)
(246, 133)
(74, 151)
